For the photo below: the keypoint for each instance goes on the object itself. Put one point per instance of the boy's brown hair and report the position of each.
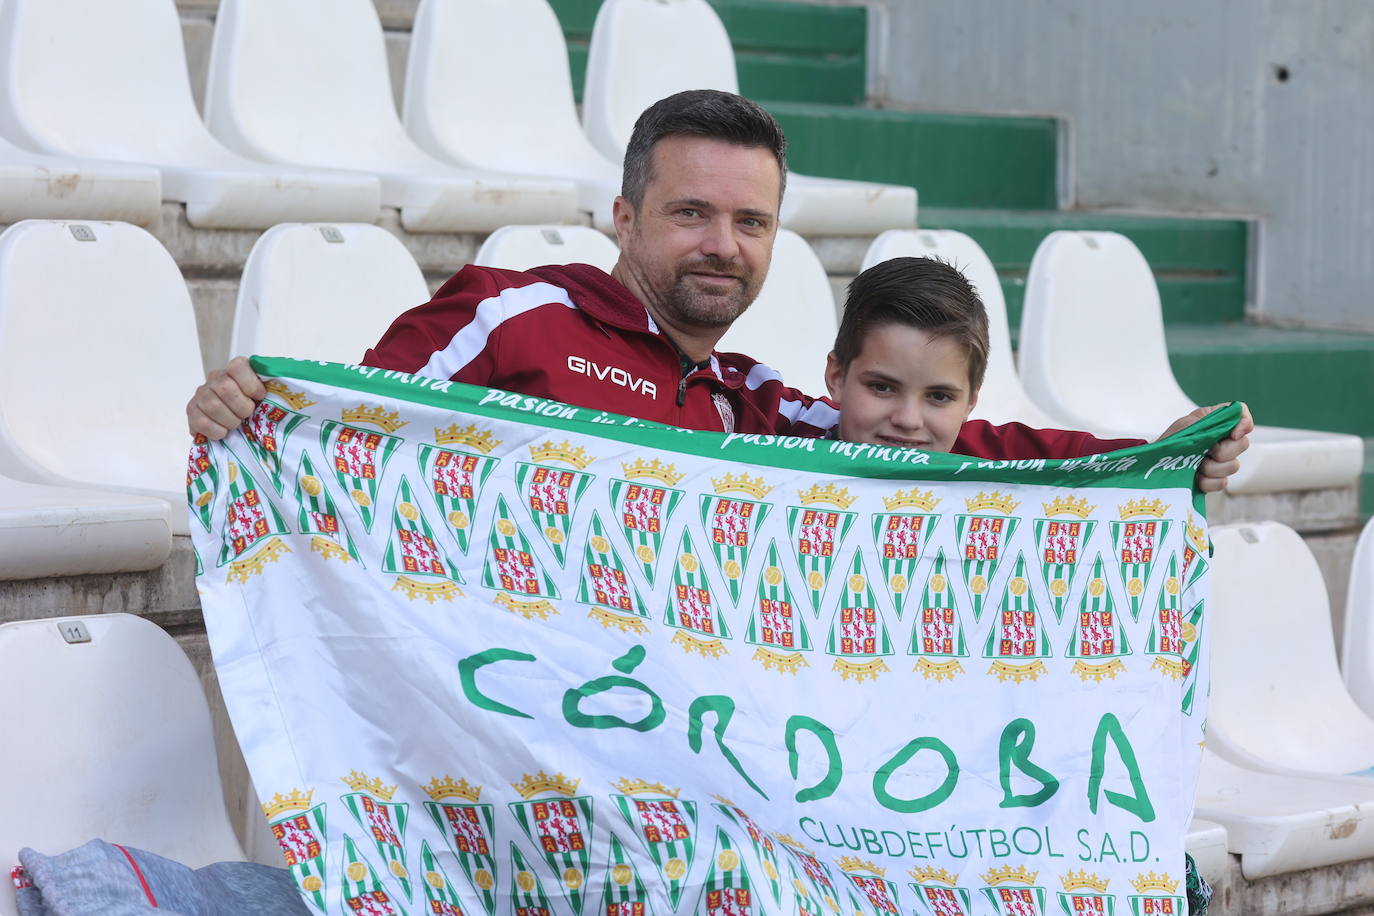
(923, 293)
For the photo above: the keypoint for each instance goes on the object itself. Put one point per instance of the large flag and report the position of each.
(495, 655)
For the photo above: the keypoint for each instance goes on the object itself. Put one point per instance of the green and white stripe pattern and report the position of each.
(318, 514)
(732, 523)
(440, 894)
(1017, 901)
(818, 882)
(605, 580)
(359, 458)
(301, 838)
(901, 539)
(1087, 904)
(251, 517)
(412, 549)
(512, 565)
(267, 430)
(526, 890)
(880, 893)
(645, 510)
(775, 620)
(1061, 544)
(803, 894)
(938, 633)
(551, 495)
(624, 893)
(939, 900)
(455, 481)
(561, 828)
(202, 480)
(667, 827)
(982, 545)
(1158, 905)
(1019, 630)
(1166, 630)
(765, 849)
(1137, 544)
(729, 891)
(386, 823)
(470, 832)
(817, 535)
(858, 630)
(1099, 632)
(1194, 619)
(690, 604)
(363, 892)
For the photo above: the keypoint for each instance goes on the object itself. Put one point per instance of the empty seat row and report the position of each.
(300, 124)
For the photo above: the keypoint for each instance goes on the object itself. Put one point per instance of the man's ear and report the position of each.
(834, 376)
(623, 218)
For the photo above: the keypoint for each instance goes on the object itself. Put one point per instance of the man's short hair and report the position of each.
(706, 113)
(923, 293)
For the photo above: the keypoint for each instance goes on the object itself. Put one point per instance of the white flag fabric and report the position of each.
(491, 654)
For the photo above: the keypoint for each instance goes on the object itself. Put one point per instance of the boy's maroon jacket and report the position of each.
(573, 333)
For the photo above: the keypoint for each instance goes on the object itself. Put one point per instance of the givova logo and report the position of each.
(614, 374)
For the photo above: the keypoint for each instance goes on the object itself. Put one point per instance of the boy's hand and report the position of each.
(1223, 459)
(227, 398)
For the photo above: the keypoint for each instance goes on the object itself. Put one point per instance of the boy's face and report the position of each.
(905, 388)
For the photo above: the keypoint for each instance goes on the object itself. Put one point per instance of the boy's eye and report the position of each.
(942, 397)
(880, 387)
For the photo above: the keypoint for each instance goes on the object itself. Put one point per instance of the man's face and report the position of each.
(698, 249)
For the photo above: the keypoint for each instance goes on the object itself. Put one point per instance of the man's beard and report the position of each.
(708, 308)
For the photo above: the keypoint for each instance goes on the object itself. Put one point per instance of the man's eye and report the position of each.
(689, 211)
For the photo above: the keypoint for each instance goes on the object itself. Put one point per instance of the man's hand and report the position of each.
(1223, 459)
(227, 398)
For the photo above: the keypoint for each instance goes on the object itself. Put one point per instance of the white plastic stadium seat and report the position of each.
(98, 353)
(323, 291)
(110, 738)
(791, 325)
(1093, 352)
(1357, 645)
(523, 247)
(109, 80)
(62, 531)
(1281, 823)
(1001, 399)
(306, 82)
(645, 50)
(502, 105)
(1206, 843)
(35, 186)
(1278, 702)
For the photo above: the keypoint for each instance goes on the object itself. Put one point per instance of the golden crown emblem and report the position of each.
(934, 876)
(741, 483)
(853, 864)
(541, 782)
(374, 416)
(563, 451)
(1197, 535)
(1007, 874)
(1138, 507)
(996, 500)
(912, 498)
(654, 470)
(725, 801)
(359, 782)
(471, 436)
(829, 493)
(296, 399)
(787, 840)
(1149, 881)
(295, 800)
(440, 789)
(1079, 880)
(636, 786)
(1067, 505)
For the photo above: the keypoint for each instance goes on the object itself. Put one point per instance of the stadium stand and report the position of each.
(323, 291)
(457, 113)
(134, 761)
(35, 186)
(643, 50)
(114, 299)
(1087, 287)
(1001, 399)
(130, 99)
(792, 324)
(523, 247)
(305, 82)
(1357, 642)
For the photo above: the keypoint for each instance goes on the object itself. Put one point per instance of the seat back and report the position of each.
(306, 81)
(1001, 399)
(791, 325)
(98, 354)
(323, 291)
(105, 80)
(523, 247)
(1357, 641)
(1092, 337)
(112, 739)
(645, 50)
(1277, 696)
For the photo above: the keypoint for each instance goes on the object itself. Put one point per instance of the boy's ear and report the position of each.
(834, 376)
(972, 403)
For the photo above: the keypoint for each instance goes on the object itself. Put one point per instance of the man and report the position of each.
(698, 212)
